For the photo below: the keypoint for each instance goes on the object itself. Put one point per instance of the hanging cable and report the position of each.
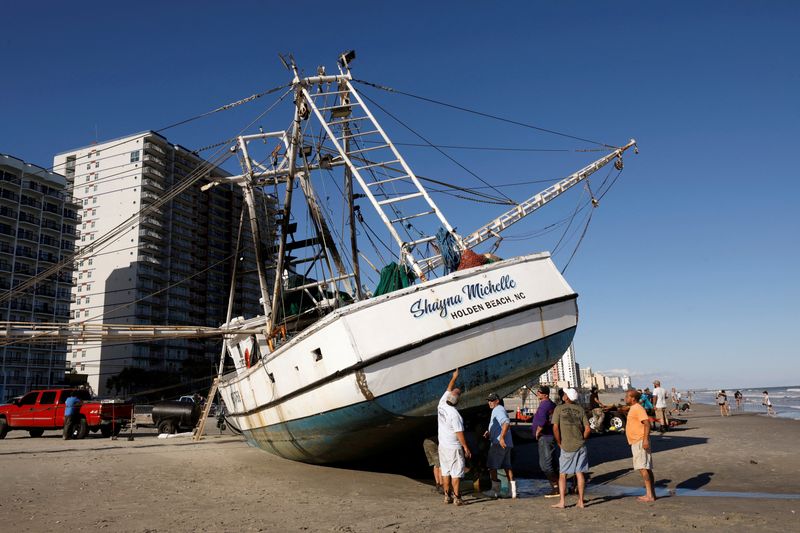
(482, 114)
(120, 229)
(448, 156)
(580, 240)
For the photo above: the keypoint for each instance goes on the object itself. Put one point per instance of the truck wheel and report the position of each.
(36, 433)
(617, 423)
(82, 430)
(166, 426)
(3, 428)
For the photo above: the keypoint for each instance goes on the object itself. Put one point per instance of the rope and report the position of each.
(119, 230)
(580, 240)
(482, 114)
(409, 128)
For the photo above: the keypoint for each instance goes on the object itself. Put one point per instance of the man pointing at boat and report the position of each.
(453, 449)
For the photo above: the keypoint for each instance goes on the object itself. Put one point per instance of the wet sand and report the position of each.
(221, 484)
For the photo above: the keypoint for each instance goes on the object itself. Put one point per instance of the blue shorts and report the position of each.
(499, 457)
(574, 462)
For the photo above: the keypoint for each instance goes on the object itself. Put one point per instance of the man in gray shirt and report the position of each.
(571, 429)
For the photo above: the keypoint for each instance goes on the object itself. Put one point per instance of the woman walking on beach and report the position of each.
(766, 402)
(722, 401)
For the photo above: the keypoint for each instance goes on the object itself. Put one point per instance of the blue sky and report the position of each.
(688, 270)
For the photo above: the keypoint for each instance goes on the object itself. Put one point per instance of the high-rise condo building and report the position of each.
(170, 267)
(37, 230)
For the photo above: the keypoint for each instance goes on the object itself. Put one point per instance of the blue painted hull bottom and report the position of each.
(360, 430)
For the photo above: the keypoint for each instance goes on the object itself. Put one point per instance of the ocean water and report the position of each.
(785, 400)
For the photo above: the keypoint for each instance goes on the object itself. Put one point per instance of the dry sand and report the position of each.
(221, 484)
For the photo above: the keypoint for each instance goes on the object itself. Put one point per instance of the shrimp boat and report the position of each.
(331, 372)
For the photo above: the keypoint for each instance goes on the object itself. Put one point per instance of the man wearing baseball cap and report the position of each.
(571, 429)
(453, 449)
(499, 434)
(542, 428)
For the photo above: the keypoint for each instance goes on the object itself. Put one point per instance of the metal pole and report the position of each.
(287, 206)
(254, 229)
(348, 190)
(232, 293)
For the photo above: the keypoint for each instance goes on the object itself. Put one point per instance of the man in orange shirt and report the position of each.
(637, 429)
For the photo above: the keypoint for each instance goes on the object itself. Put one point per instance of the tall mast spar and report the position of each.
(287, 199)
(249, 198)
(348, 180)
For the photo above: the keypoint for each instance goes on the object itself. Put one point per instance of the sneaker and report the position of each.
(459, 501)
(448, 498)
(553, 493)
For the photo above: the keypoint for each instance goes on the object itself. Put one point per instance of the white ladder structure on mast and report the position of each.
(379, 169)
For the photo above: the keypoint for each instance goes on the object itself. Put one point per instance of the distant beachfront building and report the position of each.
(564, 373)
(37, 229)
(586, 376)
(172, 267)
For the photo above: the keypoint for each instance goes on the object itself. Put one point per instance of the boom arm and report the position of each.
(535, 202)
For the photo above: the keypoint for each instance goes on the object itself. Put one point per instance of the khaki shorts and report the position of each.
(642, 459)
(431, 452)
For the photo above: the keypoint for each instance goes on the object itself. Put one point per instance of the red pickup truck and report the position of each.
(41, 410)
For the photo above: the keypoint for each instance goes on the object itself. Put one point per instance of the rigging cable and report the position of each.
(482, 114)
(409, 128)
(187, 120)
(135, 219)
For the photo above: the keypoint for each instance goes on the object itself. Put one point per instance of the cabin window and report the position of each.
(48, 398)
(317, 354)
(29, 399)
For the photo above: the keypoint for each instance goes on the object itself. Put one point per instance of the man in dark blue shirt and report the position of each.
(72, 414)
(542, 428)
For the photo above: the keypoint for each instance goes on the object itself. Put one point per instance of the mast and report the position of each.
(351, 211)
(249, 198)
(287, 202)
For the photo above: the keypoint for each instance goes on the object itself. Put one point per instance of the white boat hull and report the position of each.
(352, 383)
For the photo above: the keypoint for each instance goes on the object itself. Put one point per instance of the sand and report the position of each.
(221, 484)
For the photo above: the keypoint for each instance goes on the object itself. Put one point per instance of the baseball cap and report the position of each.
(492, 397)
(572, 394)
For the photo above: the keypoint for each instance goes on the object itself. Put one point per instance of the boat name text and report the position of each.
(470, 292)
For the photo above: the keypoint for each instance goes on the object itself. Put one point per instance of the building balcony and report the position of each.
(152, 172)
(150, 234)
(150, 221)
(8, 213)
(27, 218)
(27, 236)
(149, 259)
(150, 184)
(151, 159)
(154, 148)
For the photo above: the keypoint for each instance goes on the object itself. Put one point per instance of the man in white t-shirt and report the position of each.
(453, 447)
(660, 401)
